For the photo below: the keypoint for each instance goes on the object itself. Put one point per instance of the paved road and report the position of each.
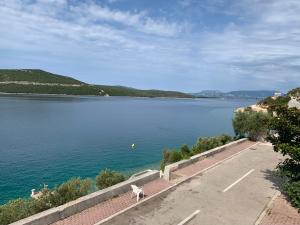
(233, 193)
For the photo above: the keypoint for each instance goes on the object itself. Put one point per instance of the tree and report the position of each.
(251, 124)
(107, 178)
(285, 136)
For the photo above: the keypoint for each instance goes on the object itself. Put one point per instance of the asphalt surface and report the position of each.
(232, 193)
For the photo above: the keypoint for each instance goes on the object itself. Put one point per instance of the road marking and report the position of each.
(234, 183)
(189, 218)
(172, 186)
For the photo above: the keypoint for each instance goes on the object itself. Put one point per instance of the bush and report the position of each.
(251, 124)
(292, 190)
(71, 190)
(185, 151)
(203, 144)
(108, 178)
(224, 139)
(21, 208)
(170, 156)
(16, 209)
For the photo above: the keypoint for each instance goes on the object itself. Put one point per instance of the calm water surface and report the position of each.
(51, 139)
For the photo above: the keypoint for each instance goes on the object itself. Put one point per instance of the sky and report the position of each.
(184, 45)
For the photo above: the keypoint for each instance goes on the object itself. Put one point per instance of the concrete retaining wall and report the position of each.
(183, 163)
(76, 206)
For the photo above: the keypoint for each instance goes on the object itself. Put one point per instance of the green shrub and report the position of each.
(21, 208)
(16, 209)
(292, 190)
(224, 139)
(203, 144)
(68, 191)
(170, 156)
(185, 151)
(107, 178)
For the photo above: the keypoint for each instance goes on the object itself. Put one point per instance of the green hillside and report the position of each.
(63, 85)
(281, 100)
(38, 76)
(295, 92)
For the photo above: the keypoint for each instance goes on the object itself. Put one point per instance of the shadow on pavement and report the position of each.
(274, 178)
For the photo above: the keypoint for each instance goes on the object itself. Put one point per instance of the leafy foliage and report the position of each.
(107, 178)
(251, 124)
(15, 210)
(72, 189)
(21, 208)
(285, 136)
(185, 151)
(292, 190)
(170, 156)
(203, 144)
(271, 102)
(207, 143)
(295, 92)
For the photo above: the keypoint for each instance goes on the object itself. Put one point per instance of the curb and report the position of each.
(164, 191)
(267, 208)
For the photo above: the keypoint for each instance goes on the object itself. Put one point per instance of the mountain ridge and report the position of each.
(235, 94)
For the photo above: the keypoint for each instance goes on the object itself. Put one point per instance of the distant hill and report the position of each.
(38, 76)
(209, 93)
(235, 94)
(42, 82)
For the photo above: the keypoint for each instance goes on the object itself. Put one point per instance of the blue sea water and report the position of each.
(51, 139)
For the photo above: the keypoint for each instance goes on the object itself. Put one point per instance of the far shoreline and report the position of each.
(5, 94)
(80, 96)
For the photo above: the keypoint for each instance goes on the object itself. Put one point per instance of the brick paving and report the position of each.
(105, 209)
(202, 164)
(281, 213)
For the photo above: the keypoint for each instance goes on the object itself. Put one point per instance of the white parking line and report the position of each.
(234, 183)
(186, 220)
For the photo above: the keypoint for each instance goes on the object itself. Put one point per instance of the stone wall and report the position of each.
(183, 163)
(55, 214)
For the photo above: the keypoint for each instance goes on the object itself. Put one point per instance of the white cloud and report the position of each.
(262, 49)
(137, 20)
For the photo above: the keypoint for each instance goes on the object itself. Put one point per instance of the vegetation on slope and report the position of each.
(202, 145)
(89, 90)
(21, 208)
(125, 91)
(281, 100)
(65, 87)
(38, 76)
(107, 178)
(295, 92)
(72, 189)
